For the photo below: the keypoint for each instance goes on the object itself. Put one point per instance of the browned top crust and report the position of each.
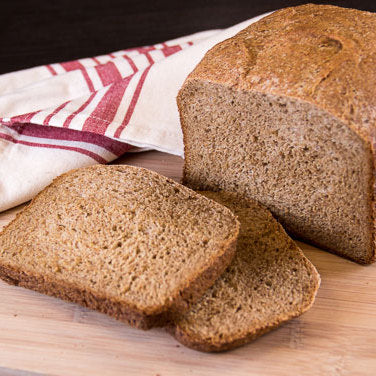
(322, 54)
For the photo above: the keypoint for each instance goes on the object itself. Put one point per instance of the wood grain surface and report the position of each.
(44, 335)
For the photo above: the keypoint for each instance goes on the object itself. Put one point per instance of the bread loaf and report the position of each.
(120, 239)
(268, 282)
(284, 112)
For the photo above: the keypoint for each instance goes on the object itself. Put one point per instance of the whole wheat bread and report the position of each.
(268, 282)
(283, 112)
(119, 239)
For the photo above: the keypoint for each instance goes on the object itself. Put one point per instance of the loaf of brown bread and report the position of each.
(120, 239)
(284, 112)
(268, 282)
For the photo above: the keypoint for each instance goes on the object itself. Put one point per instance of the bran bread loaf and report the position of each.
(119, 239)
(284, 113)
(268, 282)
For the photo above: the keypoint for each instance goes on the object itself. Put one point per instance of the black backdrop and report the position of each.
(46, 31)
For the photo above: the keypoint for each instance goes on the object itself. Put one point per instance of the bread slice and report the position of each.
(269, 282)
(119, 239)
(283, 113)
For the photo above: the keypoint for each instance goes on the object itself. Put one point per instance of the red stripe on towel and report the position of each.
(96, 61)
(133, 103)
(148, 56)
(90, 154)
(170, 50)
(52, 70)
(76, 65)
(48, 118)
(65, 134)
(106, 109)
(72, 115)
(131, 63)
(25, 118)
(108, 73)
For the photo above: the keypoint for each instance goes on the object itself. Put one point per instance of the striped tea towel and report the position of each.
(61, 116)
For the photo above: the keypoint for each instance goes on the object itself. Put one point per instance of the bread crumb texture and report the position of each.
(283, 112)
(120, 239)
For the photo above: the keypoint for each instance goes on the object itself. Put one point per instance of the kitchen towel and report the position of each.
(61, 116)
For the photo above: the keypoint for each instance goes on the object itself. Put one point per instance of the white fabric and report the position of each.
(145, 116)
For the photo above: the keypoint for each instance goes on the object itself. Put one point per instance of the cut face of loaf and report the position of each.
(282, 113)
(268, 282)
(123, 240)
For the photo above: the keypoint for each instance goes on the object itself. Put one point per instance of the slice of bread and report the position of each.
(122, 240)
(269, 282)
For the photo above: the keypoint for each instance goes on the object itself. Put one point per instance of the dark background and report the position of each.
(46, 31)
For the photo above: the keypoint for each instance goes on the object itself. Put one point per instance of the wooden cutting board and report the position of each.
(44, 335)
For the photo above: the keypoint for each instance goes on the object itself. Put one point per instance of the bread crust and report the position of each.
(119, 310)
(197, 344)
(189, 339)
(336, 72)
(248, 61)
(142, 319)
